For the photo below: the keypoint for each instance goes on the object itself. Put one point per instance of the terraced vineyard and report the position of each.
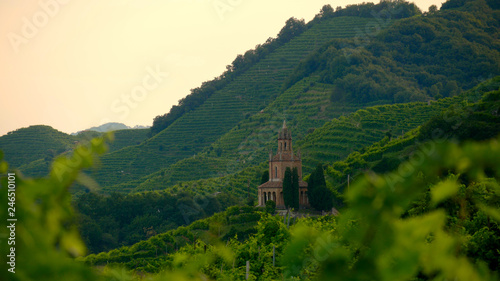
(307, 106)
(244, 96)
(387, 154)
(334, 141)
(124, 138)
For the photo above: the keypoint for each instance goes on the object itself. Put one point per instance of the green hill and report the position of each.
(32, 149)
(25, 145)
(328, 84)
(470, 122)
(246, 95)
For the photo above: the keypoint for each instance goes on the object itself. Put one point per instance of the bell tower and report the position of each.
(285, 140)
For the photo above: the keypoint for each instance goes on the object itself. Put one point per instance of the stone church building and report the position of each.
(273, 189)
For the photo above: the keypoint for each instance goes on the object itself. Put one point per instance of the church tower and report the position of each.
(284, 139)
(284, 158)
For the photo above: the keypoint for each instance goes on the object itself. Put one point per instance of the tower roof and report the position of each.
(284, 132)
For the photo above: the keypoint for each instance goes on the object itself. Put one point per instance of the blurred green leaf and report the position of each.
(444, 190)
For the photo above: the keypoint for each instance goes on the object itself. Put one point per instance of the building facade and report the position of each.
(285, 158)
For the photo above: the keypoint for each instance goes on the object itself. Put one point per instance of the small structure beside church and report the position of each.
(273, 189)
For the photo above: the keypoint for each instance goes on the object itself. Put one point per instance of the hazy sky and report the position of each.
(74, 64)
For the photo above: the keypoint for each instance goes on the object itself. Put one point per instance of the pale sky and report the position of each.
(74, 64)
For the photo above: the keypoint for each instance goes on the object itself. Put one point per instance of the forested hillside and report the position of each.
(430, 56)
(108, 222)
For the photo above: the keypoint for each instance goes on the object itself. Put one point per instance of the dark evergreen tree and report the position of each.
(295, 188)
(320, 197)
(287, 188)
(323, 198)
(317, 178)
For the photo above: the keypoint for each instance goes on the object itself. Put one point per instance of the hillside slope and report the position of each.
(242, 97)
(332, 142)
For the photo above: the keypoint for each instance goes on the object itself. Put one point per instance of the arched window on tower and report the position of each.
(276, 171)
(285, 145)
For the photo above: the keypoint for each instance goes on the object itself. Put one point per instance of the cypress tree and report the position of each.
(319, 179)
(320, 197)
(312, 183)
(287, 188)
(295, 188)
(324, 198)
